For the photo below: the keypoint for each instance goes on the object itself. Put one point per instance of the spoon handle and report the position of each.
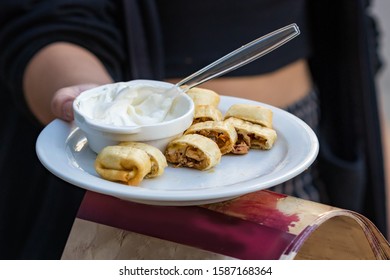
(241, 56)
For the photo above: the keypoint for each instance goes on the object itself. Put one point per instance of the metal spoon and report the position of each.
(240, 57)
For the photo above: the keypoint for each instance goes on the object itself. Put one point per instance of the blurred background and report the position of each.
(381, 11)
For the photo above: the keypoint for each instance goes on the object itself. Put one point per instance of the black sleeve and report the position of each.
(26, 26)
(374, 35)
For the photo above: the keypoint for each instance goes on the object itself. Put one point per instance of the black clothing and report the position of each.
(38, 211)
(192, 39)
(344, 64)
(305, 185)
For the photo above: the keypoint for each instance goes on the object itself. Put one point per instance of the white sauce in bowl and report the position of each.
(122, 104)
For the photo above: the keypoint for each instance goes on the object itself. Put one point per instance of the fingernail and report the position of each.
(68, 111)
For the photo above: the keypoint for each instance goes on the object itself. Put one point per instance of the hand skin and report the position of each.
(62, 102)
(56, 75)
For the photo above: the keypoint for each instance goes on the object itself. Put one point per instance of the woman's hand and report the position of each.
(62, 102)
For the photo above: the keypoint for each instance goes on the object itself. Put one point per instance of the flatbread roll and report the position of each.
(202, 96)
(205, 113)
(157, 158)
(123, 164)
(252, 113)
(194, 151)
(251, 136)
(222, 133)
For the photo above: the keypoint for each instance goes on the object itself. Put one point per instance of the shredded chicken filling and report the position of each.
(202, 119)
(242, 144)
(218, 137)
(259, 141)
(186, 156)
(246, 141)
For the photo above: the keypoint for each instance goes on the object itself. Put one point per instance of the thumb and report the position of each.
(62, 102)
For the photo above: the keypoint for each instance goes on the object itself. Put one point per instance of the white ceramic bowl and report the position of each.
(100, 135)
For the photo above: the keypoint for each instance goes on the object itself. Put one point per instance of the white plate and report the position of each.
(63, 149)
